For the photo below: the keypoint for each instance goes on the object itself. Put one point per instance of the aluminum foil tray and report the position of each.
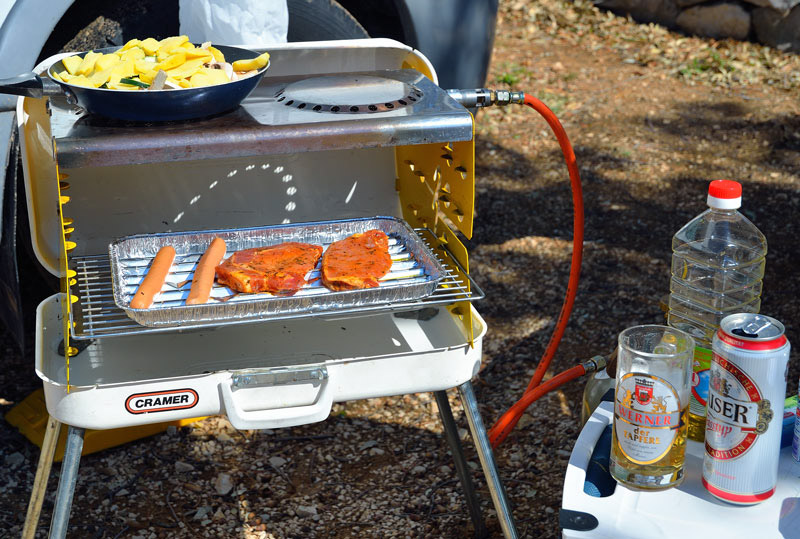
(414, 274)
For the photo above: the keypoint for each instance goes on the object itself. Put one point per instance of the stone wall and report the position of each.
(772, 22)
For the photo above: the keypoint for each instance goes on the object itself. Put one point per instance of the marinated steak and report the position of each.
(357, 261)
(279, 269)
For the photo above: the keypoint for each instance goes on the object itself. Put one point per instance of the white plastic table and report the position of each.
(687, 511)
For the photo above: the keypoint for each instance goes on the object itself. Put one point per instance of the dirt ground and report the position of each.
(653, 116)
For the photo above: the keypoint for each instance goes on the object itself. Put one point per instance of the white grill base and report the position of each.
(406, 356)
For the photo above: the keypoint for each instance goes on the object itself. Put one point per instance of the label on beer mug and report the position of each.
(737, 413)
(646, 417)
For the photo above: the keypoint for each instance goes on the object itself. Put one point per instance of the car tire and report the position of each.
(321, 20)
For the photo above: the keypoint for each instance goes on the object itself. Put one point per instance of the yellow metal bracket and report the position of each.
(43, 171)
(436, 187)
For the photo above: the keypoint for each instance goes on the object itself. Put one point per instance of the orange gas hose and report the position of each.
(506, 423)
(509, 419)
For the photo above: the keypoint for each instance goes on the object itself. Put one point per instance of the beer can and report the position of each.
(747, 387)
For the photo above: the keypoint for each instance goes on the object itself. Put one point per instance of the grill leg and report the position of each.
(66, 483)
(451, 434)
(486, 457)
(42, 475)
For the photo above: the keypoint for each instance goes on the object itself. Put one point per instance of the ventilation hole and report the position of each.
(373, 108)
(402, 102)
(289, 102)
(353, 109)
(301, 106)
(418, 93)
(317, 107)
(389, 105)
(412, 98)
(281, 99)
(334, 109)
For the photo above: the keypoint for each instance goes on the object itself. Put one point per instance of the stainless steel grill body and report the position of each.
(269, 165)
(335, 131)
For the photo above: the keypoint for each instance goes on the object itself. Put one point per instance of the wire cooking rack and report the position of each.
(96, 314)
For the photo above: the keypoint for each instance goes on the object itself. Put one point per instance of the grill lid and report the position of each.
(349, 94)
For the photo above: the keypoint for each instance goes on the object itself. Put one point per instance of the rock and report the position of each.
(182, 467)
(662, 12)
(718, 21)
(202, 512)
(218, 516)
(367, 445)
(306, 510)
(782, 6)
(776, 30)
(686, 3)
(172, 430)
(445, 469)
(224, 437)
(277, 461)
(418, 470)
(526, 420)
(223, 484)
(376, 451)
(14, 459)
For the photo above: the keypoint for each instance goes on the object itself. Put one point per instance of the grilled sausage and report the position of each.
(203, 278)
(154, 280)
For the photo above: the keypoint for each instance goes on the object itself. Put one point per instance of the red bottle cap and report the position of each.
(725, 194)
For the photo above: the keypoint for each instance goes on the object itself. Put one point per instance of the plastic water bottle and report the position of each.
(717, 269)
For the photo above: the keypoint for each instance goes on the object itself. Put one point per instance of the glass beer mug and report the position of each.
(654, 372)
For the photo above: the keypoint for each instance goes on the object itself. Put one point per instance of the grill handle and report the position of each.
(277, 417)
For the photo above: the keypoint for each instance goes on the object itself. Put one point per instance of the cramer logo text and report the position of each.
(161, 401)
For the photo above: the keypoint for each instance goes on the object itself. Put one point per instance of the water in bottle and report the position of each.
(717, 270)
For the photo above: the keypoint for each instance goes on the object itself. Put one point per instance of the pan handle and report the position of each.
(30, 85)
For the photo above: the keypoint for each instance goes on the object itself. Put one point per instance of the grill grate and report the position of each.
(96, 314)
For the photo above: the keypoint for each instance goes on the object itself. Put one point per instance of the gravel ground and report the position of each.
(653, 116)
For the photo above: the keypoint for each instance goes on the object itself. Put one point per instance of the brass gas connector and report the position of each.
(595, 364)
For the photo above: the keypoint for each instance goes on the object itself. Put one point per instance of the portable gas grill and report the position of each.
(336, 132)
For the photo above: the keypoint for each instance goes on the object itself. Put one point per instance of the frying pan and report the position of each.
(142, 105)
